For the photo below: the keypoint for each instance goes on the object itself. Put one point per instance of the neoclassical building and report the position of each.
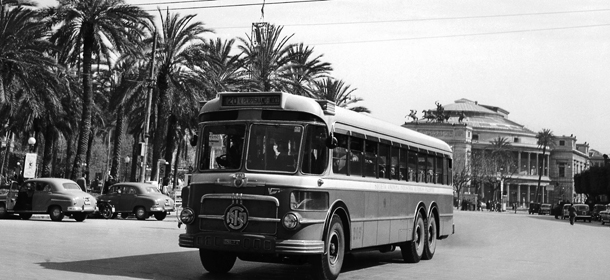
(469, 126)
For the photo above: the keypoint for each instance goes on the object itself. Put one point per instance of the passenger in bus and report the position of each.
(232, 158)
(282, 161)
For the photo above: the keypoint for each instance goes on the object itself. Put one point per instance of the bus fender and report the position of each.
(339, 208)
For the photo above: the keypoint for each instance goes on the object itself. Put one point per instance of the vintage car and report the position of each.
(57, 197)
(582, 212)
(534, 208)
(595, 211)
(604, 216)
(545, 209)
(142, 199)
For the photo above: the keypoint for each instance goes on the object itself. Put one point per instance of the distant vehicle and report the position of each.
(534, 208)
(604, 216)
(142, 199)
(582, 212)
(545, 209)
(57, 197)
(595, 211)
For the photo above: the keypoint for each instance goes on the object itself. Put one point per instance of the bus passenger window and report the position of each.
(340, 155)
(440, 177)
(412, 165)
(315, 156)
(356, 151)
(421, 168)
(370, 161)
(384, 166)
(430, 174)
(402, 166)
(394, 164)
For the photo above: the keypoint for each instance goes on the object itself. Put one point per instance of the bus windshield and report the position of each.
(274, 147)
(269, 147)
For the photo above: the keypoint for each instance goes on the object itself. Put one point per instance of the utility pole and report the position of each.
(151, 81)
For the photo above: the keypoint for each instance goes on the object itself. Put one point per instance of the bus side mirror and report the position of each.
(194, 140)
(331, 142)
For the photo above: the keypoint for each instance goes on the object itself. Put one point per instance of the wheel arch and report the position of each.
(433, 211)
(340, 209)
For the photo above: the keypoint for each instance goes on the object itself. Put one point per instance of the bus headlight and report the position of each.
(187, 216)
(290, 221)
(306, 200)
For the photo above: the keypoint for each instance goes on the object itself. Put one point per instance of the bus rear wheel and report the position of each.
(430, 245)
(328, 266)
(217, 261)
(413, 251)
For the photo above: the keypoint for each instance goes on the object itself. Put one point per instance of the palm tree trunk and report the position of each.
(119, 134)
(170, 142)
(85, 124)
(69, 152)
(163, 112)
(135, 154)
(540, 173)
(47, 156)
(7, 151)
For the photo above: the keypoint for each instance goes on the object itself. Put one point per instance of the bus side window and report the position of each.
(421, 167)
(385, 168)
(370, 159)
(412, 165)
(439, 171)
(340, 155)
(394, 167)
(315, 157)
(403, 175)
(356, 152)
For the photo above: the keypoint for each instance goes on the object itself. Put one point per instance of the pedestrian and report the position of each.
(82, 182)
(572, 212)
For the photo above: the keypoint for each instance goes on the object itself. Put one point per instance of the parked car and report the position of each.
(534, 208)
(57, 197)
(545, 209)
(604, 216)
(142, 199)
(595, 211)
(582, 212)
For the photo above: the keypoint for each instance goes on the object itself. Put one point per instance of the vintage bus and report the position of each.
(286, 178)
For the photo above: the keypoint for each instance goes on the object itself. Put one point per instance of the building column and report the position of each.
(518, 162)
(529, 168)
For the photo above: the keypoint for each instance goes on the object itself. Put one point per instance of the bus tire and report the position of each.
(413, 250)
(25, 216)
(430, 244)
(216, 261)
(328, 266)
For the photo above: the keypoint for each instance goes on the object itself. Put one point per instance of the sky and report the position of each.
(547, 62)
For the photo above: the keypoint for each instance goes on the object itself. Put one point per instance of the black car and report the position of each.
(534, 208)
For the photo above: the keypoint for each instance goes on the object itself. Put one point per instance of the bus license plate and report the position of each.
(231, 242)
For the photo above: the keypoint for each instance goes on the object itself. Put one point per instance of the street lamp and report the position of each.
(127, 159)
(31, 142)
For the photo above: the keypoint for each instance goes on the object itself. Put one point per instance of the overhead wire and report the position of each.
(236, 5)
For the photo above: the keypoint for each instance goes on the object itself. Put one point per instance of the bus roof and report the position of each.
(342, 120)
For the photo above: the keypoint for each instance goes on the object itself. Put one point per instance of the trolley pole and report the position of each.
(148, 105)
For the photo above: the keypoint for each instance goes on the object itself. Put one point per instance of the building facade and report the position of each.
(472, 128)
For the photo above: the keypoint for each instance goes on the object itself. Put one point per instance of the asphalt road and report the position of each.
(486, 245)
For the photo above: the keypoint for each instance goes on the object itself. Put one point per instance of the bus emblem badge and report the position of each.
(236, 217)
(239, 180)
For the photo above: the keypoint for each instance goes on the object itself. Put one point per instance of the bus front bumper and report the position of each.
(250, 243)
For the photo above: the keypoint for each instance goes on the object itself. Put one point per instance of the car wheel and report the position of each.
(160, 216)
(141, 213)
(216, 261)
(328, 266)
(412, 251)
(430, 245)
(56, 213)
(79, 217)
(25, 216)
(107, 212)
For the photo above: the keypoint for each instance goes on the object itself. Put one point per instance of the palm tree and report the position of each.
(178, 39)
(305, 70)
(91, 27)
(267, 59)
(545, 139)
(336, 91)
(218, 68)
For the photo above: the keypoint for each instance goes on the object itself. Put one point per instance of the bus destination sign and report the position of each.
(252, 100)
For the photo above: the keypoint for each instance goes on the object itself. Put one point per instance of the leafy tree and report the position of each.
(461, 176)
(336, 90)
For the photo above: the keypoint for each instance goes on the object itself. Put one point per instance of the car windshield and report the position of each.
(582, 208)
(71, 186)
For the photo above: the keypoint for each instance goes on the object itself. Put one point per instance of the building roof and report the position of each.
(482, 116)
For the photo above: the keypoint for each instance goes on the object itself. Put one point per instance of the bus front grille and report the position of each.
(245, 213)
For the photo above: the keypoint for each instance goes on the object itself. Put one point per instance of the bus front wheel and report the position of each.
(328, 266)
(413, 250)
(216, 261)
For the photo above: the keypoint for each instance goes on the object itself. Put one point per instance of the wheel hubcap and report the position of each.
(332, 249)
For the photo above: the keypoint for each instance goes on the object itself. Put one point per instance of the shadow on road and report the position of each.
(185, 265)
(567, 221)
